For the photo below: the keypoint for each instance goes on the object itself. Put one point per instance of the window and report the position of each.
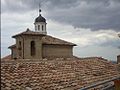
(42, 27)
(32, 48)
(38, 27)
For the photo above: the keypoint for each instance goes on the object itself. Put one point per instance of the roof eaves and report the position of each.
(59, 44)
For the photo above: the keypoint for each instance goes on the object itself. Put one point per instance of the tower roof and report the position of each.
(40, 19)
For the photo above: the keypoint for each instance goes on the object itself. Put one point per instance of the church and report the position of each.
(38, 45)
(60, 70)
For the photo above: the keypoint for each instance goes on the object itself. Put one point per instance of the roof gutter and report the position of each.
(99, 83)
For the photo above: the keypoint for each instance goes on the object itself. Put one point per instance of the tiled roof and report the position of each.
(28, 32)
(56, 74)
(46, 38)
(52, 40)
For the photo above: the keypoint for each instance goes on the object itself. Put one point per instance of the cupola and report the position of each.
(40, 24)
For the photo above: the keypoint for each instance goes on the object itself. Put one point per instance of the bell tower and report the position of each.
(40, 24)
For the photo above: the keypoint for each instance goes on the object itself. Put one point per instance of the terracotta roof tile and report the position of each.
(28, 32)
(60, 74)
(52, 40)
(46, 38)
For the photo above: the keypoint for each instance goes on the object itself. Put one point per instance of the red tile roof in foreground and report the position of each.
(56, 74)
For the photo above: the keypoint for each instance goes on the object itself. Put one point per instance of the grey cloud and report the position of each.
(93, 14)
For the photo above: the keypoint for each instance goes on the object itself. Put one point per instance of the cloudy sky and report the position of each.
(92, 24)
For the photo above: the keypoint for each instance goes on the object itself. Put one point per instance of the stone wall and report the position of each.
(57, 51)
(16, 52)
(41, 50)
(26, 48)
(13, 53)
(38, 47)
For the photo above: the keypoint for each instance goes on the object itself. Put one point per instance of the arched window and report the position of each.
(42, 27)
(38, 27)
(32, 44)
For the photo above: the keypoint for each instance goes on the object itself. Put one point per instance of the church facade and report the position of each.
(37, 44)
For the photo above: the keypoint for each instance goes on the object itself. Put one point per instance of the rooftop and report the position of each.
(40, 19)
(29, 32)
(52, 40)
(56, 74)
(46, 39)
